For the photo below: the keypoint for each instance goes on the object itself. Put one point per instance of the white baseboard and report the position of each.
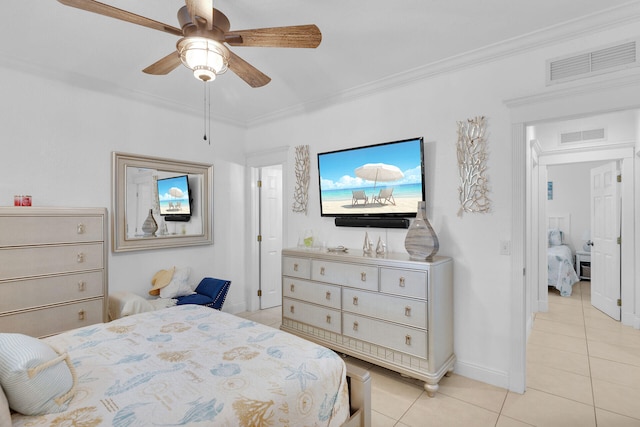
(483, 374)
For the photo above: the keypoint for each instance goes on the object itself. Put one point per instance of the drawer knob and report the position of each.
(81, 315)
(328, 318)
(322, 271)
(401, 282)
(355, 300)
(292, 309)
(407, 339)
(407, 311)
(328, 295)
(295, 267)
(80, 228)
(355, 326)
(80, 257)
(293, 287)
(363, 276)
(81, 285)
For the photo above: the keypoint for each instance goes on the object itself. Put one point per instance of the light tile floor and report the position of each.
(583, 369)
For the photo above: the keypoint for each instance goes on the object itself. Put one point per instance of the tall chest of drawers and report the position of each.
(53, 269)
(391, 311)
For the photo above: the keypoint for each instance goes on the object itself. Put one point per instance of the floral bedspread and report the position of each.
(192, 365)
(561, 273)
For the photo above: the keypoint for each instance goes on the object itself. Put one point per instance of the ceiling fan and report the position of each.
(204, 31)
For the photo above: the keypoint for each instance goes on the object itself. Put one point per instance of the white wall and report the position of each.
(57, 141)
(572, 195)
(430, 108)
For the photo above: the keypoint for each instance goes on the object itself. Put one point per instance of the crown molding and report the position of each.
(579, 27)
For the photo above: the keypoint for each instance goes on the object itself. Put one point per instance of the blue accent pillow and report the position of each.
(211, 287)
(194, 299)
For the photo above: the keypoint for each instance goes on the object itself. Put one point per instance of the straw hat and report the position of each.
(161, 279)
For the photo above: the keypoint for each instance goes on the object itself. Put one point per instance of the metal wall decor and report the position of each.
(472, 164)
(301, 192)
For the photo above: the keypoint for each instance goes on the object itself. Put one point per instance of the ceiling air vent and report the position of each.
(588, 64)
(582, 136)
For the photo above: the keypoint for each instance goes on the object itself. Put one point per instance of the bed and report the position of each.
(191, 365)
(561, 273)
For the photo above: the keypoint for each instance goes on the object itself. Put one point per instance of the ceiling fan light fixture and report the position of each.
(207, 58)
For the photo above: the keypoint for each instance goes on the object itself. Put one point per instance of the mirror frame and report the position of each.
(119, 240)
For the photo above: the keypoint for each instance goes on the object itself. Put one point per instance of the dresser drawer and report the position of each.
(314, 315)
(316, 293)
(396, 337)
(296, 267)
(23, 294)
(52, 320)
(395, 309)
(38, 261)
(410, 283)
(355, 275)
(36, 230)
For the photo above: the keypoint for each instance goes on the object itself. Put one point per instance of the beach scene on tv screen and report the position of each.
(381, 179)
(173, 196)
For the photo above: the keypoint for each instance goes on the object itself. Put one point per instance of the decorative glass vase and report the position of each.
(150, 226)
(421, 241)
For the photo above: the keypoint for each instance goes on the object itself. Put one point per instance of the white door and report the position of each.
(271, 236)
(605, 231)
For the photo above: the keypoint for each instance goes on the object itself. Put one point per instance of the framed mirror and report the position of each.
(160, 203)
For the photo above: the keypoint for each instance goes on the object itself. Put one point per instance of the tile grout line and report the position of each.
(593, 394)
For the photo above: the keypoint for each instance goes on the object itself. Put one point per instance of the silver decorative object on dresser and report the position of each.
(391, 311)
(421, 241)
(53, 274)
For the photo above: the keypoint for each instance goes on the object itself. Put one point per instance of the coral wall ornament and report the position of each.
(301, 192)
(472, 165)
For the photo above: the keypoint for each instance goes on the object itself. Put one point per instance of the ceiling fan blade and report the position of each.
(123, 15)
(308, 36)
(164, 65)
(202, 9)
(247, 72)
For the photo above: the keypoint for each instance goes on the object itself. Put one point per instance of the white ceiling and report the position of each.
(365, 43)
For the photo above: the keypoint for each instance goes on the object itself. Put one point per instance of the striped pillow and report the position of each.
(34, 377)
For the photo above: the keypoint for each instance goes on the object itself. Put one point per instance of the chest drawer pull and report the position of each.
(407, 311)
(355, 326)
(355, 300)
(292, 286)
(328, 318)
(80, 257)
(363, 276)
(407, 339)
(322, 271)
(80, 228)
(81, 315)
(292, 309)
(328, 295)
(81, 285)
(295, 267)
(401, 284)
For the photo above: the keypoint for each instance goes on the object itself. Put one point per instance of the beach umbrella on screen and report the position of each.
(379, 172)
(175, 192)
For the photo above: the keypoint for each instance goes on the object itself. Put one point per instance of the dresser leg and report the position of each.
(431, 389)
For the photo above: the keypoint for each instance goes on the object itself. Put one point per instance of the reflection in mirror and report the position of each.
(172, 196)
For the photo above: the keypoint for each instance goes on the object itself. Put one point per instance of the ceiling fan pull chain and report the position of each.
(204, 108)
(209, 97)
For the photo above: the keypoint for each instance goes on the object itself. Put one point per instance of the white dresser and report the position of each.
(391, 311)
(53, 269)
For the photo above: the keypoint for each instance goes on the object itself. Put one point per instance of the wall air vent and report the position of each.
(592, 63)
(582, 136)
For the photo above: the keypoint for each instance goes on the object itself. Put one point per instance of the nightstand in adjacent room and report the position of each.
(583, 265)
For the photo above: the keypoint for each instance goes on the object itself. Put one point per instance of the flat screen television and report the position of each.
(174, 198)
(375, 181)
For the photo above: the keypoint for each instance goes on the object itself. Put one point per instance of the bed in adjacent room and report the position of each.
(186, 365)
(560, 267)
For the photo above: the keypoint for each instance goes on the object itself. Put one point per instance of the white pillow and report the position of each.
(179, 285)
(555, 237)
(34, 377)
(5, 413)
